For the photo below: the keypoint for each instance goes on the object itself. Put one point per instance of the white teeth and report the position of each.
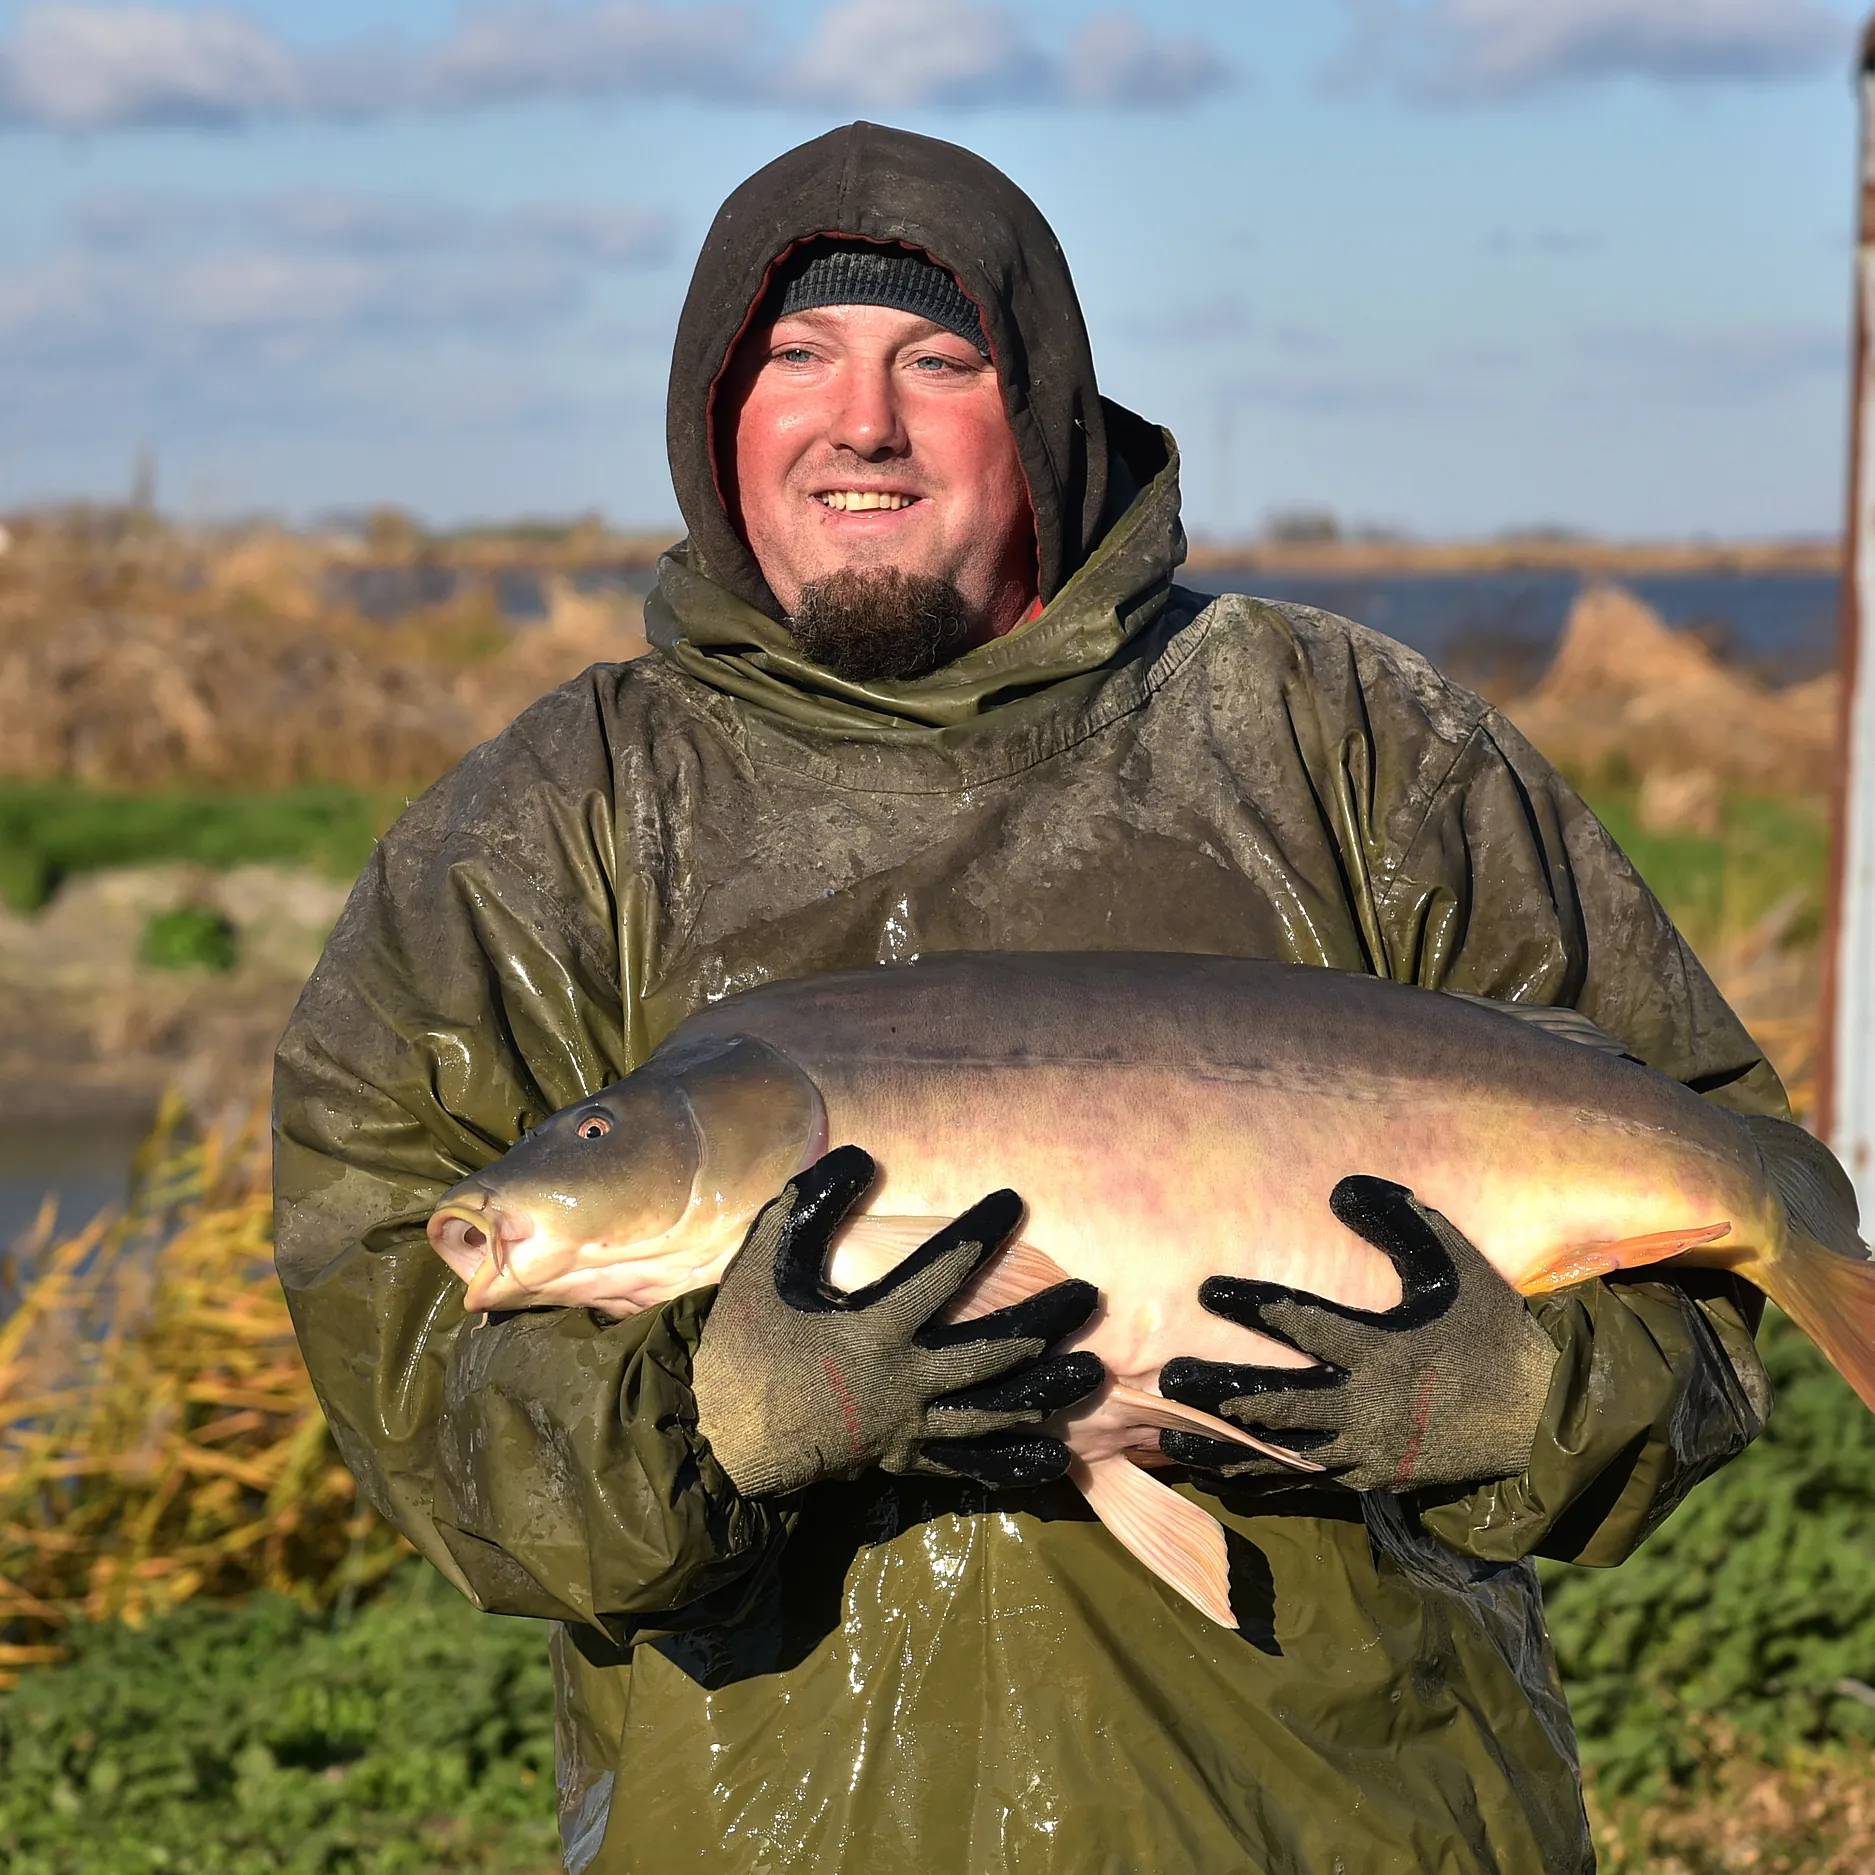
(849, 499)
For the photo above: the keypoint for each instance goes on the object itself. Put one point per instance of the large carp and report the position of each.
(1165, 1118)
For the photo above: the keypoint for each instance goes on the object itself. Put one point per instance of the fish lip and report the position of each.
(480, 1214)
(477, 1216)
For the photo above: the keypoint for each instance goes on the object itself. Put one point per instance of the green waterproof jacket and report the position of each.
(900, 1674)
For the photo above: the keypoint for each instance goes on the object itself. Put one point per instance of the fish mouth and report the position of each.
(467, 1235)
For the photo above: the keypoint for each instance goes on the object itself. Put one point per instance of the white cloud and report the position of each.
(123, 308)
(1115, 59)
(538, 48)
(1477, 51)
(910, 53)
(1541, 243)
(1723, 362)
(1223, 318)
(598, 237)
(916, 53)
(345, 222)
(194, 279)
(75, 65)
(1338, 393)
(80, 67)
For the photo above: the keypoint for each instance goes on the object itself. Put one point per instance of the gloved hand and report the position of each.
(795, 1382)
(1446, 1387)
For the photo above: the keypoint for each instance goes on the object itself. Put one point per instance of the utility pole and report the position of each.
(143, 485)
(1846, 1107)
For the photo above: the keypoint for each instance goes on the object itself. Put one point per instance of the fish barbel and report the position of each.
(1164, 1118)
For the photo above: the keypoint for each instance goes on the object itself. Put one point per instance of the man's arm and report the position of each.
(547, 1462)
(1513, 889)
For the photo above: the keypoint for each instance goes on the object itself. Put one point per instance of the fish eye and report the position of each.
(594, 1126)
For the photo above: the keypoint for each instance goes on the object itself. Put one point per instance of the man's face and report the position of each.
(844, 405)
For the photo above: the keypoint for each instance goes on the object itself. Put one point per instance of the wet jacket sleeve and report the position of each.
(546, 1461)
(1510, 887)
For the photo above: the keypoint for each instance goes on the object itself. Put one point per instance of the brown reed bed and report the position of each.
(159, 1438)
(241, 669)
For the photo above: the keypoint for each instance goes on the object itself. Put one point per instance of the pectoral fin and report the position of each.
(1180, 1543)
(1017, 1272)
(869, 1246)
(1577, 1263)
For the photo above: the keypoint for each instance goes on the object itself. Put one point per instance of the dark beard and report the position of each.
(881, 622)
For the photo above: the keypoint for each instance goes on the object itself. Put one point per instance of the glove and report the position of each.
(795, 1382)
(1447, 1387)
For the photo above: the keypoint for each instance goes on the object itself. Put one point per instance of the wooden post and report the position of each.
(1846, 1085)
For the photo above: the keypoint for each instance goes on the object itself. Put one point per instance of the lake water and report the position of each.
(84, 1164)
(1783, 625)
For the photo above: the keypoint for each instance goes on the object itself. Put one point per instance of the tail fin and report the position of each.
(1824, 1280)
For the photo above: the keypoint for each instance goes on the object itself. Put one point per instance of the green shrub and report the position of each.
(262, 1740)
(1749, 1617)
(191, 937)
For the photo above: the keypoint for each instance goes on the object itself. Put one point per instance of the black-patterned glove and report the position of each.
(1446, 1387)
(795, 1382)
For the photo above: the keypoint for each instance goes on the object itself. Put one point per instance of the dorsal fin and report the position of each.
(1567, 1025)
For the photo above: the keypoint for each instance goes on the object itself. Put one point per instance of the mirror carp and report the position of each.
(1165, 1118)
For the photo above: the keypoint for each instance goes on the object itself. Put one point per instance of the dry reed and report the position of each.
(159, 1438)
(242, 671)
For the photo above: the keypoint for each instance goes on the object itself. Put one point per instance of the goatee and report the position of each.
(881, 622)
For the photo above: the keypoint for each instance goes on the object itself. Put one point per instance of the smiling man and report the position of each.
(925, 681)
(870, 466)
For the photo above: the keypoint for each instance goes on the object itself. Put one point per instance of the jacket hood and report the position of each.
(865, 182)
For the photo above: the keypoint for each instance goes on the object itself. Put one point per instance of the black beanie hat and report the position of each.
(864, 273)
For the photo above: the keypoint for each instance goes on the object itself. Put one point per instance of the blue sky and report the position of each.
(1454, 265)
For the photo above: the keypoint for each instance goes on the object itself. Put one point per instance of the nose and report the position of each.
(866, 418)
(466, 1236)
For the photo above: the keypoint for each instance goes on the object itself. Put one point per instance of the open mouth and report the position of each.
(865, 500)
(467, 1235)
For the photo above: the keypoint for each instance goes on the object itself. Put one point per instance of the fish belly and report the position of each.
(1146, 1180)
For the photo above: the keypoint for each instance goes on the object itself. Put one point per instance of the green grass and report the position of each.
(1750, 1614)
(52, 830)
(1768, 854)
(261, 1740)
(258, 1739)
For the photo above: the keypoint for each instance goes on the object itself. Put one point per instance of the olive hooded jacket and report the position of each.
(905, 1674)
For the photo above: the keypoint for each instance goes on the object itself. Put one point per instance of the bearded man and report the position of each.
(924, 681)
